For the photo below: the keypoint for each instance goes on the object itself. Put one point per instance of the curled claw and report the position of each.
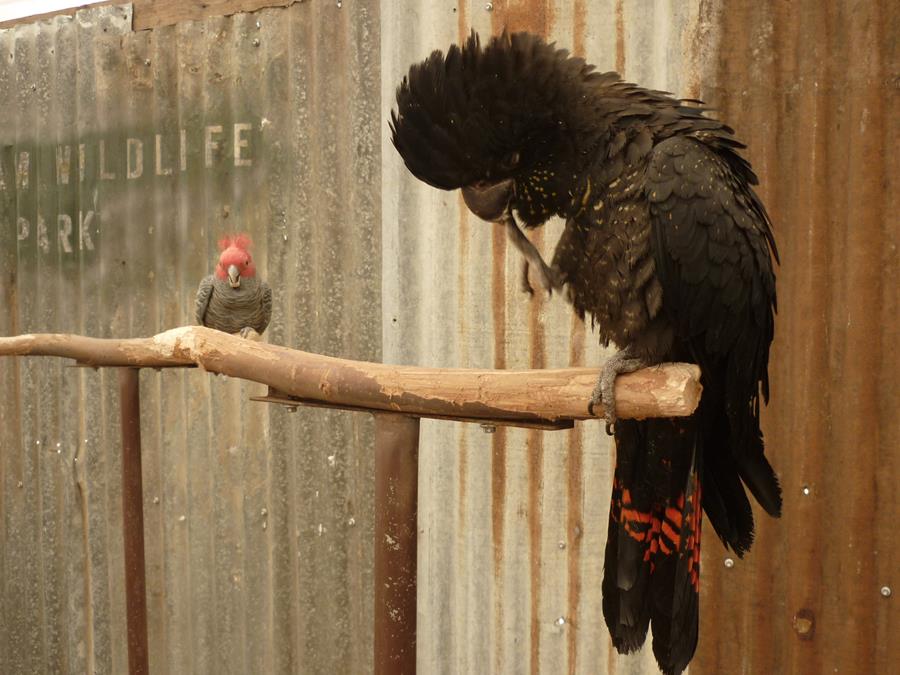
(547, 278)
(525, 282)
(551, 278)
(604, 393)
(610, 423)
(605, 390)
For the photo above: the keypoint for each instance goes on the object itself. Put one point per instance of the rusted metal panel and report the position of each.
(812, 88)
(140, 150)
(513, 524)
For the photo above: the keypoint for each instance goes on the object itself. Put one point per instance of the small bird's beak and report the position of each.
(234, 276)
(489, 201)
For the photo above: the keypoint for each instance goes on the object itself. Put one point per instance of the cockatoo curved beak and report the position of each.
(489, 201)
(234, 276)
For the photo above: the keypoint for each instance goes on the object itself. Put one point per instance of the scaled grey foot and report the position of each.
(249, 333)
(605, 391)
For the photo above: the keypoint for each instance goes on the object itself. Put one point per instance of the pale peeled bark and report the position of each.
(667, 390)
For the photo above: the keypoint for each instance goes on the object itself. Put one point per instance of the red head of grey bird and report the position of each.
(235, 261)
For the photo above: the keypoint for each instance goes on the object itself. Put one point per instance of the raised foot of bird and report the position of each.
(249, 333)
(546, 278)
(605, 391)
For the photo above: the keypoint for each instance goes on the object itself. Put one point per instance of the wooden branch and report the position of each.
(668, 390)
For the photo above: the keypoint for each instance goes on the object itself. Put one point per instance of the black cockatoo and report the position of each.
(666, 246)
(234, 299)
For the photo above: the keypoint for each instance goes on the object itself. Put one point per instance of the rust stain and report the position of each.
(498, 294)
(535, 448)
(620, 37)
(612, 657)
(538, 355)
(574, 504)
(860, 342)
(579, 27)
(498, 439)
(576, 342)
(535, 18)
(498, 507)
(574, 529)
(463, 464)
(462, 25)
(816, 115)
(805, 259)
(522, 15)
(698, 42)
(462, 301)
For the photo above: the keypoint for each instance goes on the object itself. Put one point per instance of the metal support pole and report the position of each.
(396, 503)
(133, 526)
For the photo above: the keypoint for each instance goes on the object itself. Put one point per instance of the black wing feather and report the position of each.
(713, 246)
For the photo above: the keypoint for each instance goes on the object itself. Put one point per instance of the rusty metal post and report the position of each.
(396, 503)
(133, 522)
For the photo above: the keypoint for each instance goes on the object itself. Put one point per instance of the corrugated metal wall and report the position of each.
(258, 523)
(514, 524)
(814, 88)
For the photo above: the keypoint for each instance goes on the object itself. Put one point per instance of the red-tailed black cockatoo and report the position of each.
(666, 246)
(234, 299)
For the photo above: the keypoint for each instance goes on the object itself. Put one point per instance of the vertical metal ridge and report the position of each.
(810, 112)
(574, 511)
(498, 467)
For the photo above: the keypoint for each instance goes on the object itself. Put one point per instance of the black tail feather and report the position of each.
(676, 579)
(652, 562)
(625, 609)
(725, 501)
(652, 552)
(759, 476)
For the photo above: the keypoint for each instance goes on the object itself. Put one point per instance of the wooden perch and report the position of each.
(668, 390)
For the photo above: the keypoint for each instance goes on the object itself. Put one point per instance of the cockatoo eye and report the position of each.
(510, 162)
